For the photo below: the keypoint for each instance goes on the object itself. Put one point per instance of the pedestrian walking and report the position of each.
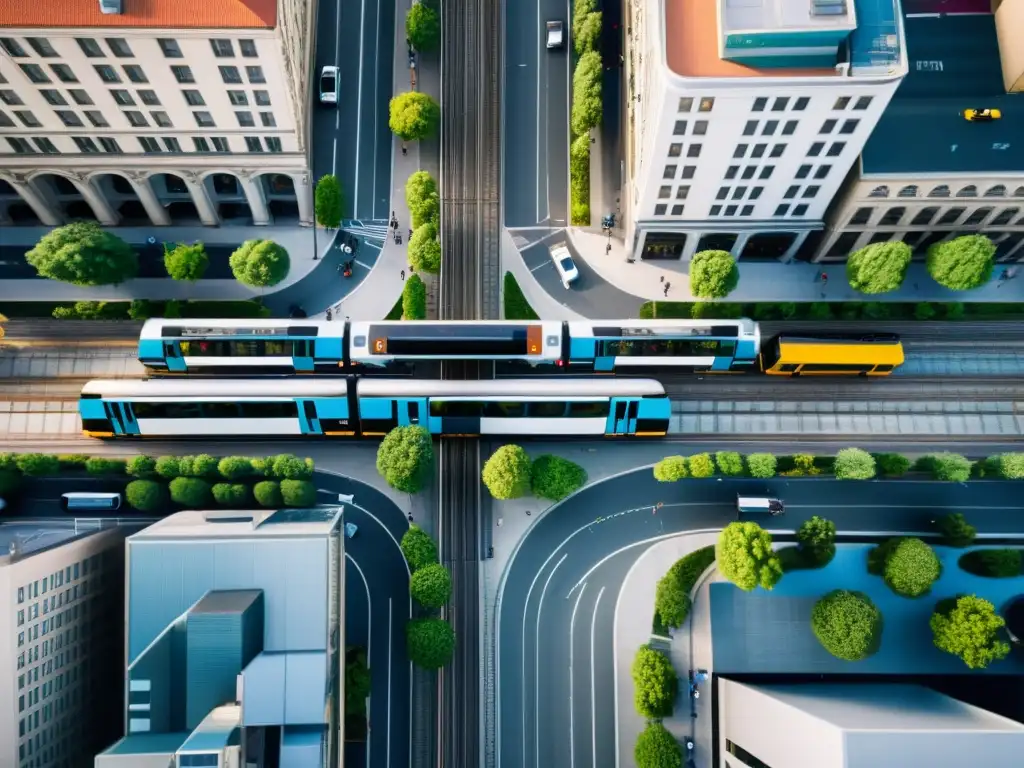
(667, 286)
(824, 278)
(662, 279)
(410, 233)
(410, 517)
(528, 513)
(403, 274)
(399, 236)
(607, 249)
(405, 150)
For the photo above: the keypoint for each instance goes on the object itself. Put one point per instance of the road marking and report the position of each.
(572, 687)
(364, 266)
(593, 684)
(369, 645)
(539, 266)
(538, 25)
(359, 97)
(391, 644)
(526, 606)
(376, 78)
(552, 233)
(334, 158)
(369, 514)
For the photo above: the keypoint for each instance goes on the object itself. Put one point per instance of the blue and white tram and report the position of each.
(242, 346)
(378, 344)
(699, 345)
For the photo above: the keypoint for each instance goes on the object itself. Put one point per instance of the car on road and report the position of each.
(981, 115)
(329, 85)
(564, 264)
(555, 34)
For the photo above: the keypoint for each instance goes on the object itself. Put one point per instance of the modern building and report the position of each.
(943, 176)
(235, 641)
(854, 725)
(745, 116)
(61, 593)
(155, 112)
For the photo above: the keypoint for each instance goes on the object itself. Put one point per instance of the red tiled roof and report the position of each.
(212, 14)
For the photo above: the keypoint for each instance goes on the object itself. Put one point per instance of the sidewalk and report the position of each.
(543, 303)
(769, 281)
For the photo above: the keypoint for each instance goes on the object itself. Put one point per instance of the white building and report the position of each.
(161, 111)
(859, 726)
(745, 116)
(61, 592)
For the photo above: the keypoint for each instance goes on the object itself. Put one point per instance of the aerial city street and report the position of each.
(471, 384)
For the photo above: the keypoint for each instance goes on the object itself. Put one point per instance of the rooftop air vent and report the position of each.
(111, 6)
(828, 7)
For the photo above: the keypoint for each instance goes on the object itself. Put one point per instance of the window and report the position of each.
(822, 171)
(64, 73)
(669, 172)
(740, 151)
(815, 149)
(810, 191)
(89, 47)
(27, 118)
(689, 171)
(10, 98)
(170, 48)
(924, 216)
(149, 145)
(268, 120)
(998, 190)
(746, 210)
(791, 192)
(262, 98)
(723, 193)
(684, 191)
(183, 74)
(119, 47)
(782, 210)
(161, 118)
(693, 150)
(780, 104)
(248, 48)
(1004, 216)
(863, 103)
(685, 104)
(68, 117)
(14, 50)
(203, 119)
(750, 128)
(109, 145)
(255, 74)
(803, 171)
(892, 216)
(5, 121)
(715, 210)
(731, 171)
(149, 98)
(220, 144)
(680, 128)
(777, 150)
(789, 128)
(940, 191)
(730, 210)
(172, 144)
(34, 73)
(230, 74)
(951, 215)
(849, 126)
(85, 144)
(700, 128)
(881, 191)
(660, 209)
(122, 98)
(252, 144)
(201, 144)
(677, 210)
(53, 97)
(107, 73)
(766, 172)
(193, 98)
(20, 146)
(841, 103)
(758, 151)
(801, 104)
(738, 193)
(134, 73)
(42, 46)
(238, 98)
(46, 146)
(222, 48)
(978, 215)
(755, 193)
(136, 118)
(245, 119)
(675, 150)
(96, 118)
(861, 216)
(748, 172)
(969, 191)
(706, 104)
(836, 148)
(800, 210)
(664, 192)
(759, 104)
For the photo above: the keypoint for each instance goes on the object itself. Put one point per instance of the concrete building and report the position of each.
(858, 726)
(745, 116)
(943, 176)
(155, 111)
(235, 641)
(60, 595)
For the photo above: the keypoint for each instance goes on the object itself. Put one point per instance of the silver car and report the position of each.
(329, 85)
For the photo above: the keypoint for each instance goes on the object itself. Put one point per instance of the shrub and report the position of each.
(328, 203)
(9, 481)
(516, 305)
(146, 495)
(672, 596)
(37, 464)
(670, 469)
(817, 538)
(141, 466)
(579, 180)
(891, 464)
(587, 33)
(761, 465)
(701, 465)
(422, 199)
(298, 493)
(200, 465)
(419, 549)
(910, 567)
(234, 495)
(730, 463)
(949, 466)
(1010, 465)
(235, 467)
(9, 461)
(554, 478)
(425, 249)
(268, 494)
(422, 27)
(745, 556)
(847, 624)
(99, 465)
(924, 311)
(992, 563)
(507, 472)
(713, 274)
(72, 460)
(879, 267)
(414, 299)
(190, 492)
(657, 748)
(413, 115)
(431, 585)
(969, 627)
(956, 531)
(587, 106)
(260, 263)
(962, 263)
(854, 464)
(83, 253)
(405, 458)
(655, 683)
(287, 465)
(430, 642)
(168, 467)
(187, 262)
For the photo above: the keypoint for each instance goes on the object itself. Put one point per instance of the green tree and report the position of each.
(235, 467)
(713, 274)
(146, 495)
(186, 261)
(671, 469)
(357, 681)
(72, 461)
(892, 464)
(672, 595)
(268, 494)
(168, 467)
(729, 463)
(654, 682)
(423, 28)
(260, 263)
(854, 464)
(879, 267)
(83, 254)
(190, 492)
(233, 495)
(328, 202)
(701, 465)
(405, 458)
(100, 465)
(817, 538)
(956, 531)
(992, 563)
(1010, 465)
(847, 624)
(657, 748)
(419, 549)
(911, 567)
(10, 461)
(425, 249)
(421, 196)
(969, 627)
(431, 585)
(298, 493)
(37, 464)
(141, 466)
(951, 467)
(580, 10)
(430, 642)
(762, 465)
(287, 465)
(554, 478)
(587, 32)
(962, 263)
(414, 299)
(507, 472)
(587, 106)
(414, 116)
(745, 556)
(9, 482)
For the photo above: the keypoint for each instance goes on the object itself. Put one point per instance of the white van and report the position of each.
(759, 505)
(90, 502)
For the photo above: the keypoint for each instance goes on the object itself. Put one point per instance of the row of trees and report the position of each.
(829, 310)
(424, 201)
(430, 639)
(510, 474)
(960, 264)
(587, 108)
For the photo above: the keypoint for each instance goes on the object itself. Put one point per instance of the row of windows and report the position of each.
(149, 145)
(135, 118)
(124, 98)
(222, 48)
(230, 74)
(780, 103)
(287, 409)
(666, 348)
(924, 216)
(541, 410)
(738, 193)
(251, 348)
(918, 240)
(942, 190)
(704, 104)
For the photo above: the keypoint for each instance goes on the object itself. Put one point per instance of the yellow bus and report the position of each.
(790, 354)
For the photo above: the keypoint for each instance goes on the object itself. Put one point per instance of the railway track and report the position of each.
(42, 388)
(894, 388)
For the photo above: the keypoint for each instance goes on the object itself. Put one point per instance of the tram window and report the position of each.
(589, 410)
(504, 410)
(179, 410)
(547, 410)
(280, 410)
(836, 368)
(220, 410)
(454, 409)
(309, 409)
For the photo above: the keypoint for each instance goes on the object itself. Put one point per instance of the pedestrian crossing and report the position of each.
(374, 232)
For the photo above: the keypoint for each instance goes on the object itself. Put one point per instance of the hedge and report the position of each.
(672, 596)
(146, 495)
(992, 563)
(824, 311)
(555, 478)
(516, 305)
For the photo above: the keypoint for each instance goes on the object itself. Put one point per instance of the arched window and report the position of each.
(882, 191)
(969, 191)
(1018, 192)
(999, 190)
(908, 191)
(940, 191)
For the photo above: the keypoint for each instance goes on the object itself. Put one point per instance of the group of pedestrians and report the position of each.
(394, 227)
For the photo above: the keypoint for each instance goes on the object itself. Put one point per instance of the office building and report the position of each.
(234, 642)
(61, 594)
(852, 725)
(744, 117)
(153, 112)
(927, 174)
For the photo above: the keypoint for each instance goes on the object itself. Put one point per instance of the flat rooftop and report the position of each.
(781, 15)
(210, 14)
(35, 537)
(221, 524)
(953, 65)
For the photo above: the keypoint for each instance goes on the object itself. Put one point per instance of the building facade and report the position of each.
(235, 641)
(166, 112)
(744, 119)
(61, 592)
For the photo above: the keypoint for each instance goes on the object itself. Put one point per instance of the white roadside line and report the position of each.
(369, 645)
(593, 685)
(391, 645)
(538, 26)
(376, 79)
(359, 96)
(536, 665)
(572, 687)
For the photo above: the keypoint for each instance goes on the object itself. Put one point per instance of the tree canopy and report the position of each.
(414, 299)
(405, 458)
(146, 495)
(817, 539)
(186, 261)
(879, 267)
(955, 530)
(414, 116)
(854, 464)
(911, 566)
(969, 627)
(419, 549)
(425, 249)
(328, 202)
(654, 682)
(672, 595)
(586, 31)
(430, 642)
(657, 748)
(847, 624)
(421, 196)
(587, 106)
(260, 263)
(713, 274)
(762, 465)
(190, 492)
(745, 556)
(670, 469)
(962, 263)
(554, 478)
(948, 466)
(507, 472)
(423, 27)
(83, 254)
(431, 585)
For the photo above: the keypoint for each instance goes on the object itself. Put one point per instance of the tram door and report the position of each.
(172, 353)
(624, 414)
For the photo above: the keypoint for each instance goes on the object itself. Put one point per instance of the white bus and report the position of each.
(90, 502)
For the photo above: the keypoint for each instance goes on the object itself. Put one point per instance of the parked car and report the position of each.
(555, 34)
(564, 264)
(981, 115)
(329, 85)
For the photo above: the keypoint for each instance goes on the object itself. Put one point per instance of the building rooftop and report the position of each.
(164, 14)
(218, 730)
(148, 743)
(779, 15)
(953, 65)
(35, 537)
(232, 525)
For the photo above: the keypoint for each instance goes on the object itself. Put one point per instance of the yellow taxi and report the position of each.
(981, 115)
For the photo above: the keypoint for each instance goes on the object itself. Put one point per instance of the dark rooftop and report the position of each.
(953, 65)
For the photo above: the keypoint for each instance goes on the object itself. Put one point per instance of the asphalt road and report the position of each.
(557, 705)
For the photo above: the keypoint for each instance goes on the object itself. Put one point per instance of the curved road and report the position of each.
(559, 592)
